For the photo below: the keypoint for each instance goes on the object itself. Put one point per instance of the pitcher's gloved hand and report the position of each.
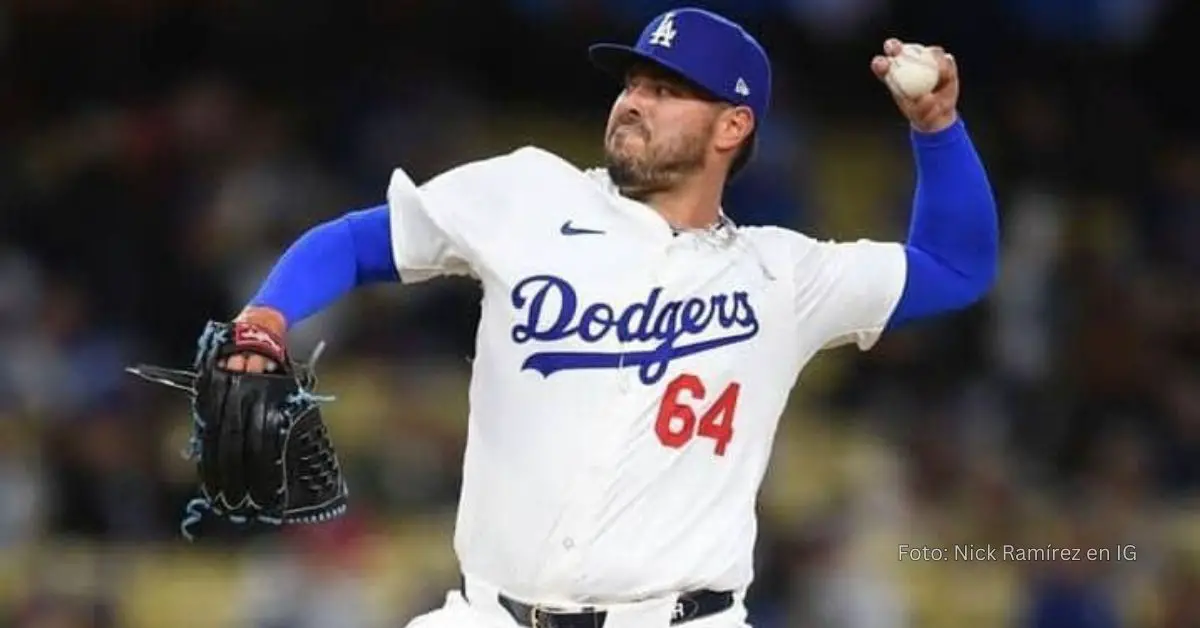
(262, 450)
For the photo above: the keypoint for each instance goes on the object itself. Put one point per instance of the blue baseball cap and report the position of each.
(707, 49)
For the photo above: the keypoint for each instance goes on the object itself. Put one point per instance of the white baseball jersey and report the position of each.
(627, 382)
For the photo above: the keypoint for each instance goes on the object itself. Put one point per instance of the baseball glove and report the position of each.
(262, 451)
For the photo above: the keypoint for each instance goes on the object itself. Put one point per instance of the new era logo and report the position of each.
(741, 87)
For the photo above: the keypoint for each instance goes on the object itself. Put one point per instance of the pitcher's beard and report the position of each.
(635, 181)
(655, 170)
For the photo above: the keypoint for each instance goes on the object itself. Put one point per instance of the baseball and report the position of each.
(913, 72)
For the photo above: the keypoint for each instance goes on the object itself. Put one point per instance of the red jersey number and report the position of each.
(677, 423)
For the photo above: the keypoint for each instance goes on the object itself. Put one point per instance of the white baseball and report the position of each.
(913, 72)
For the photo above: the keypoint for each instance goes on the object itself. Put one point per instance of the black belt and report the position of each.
(688, 606)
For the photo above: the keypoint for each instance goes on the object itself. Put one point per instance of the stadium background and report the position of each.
(156, 155)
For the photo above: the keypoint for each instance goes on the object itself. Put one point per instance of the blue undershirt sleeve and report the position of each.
(327, 262)
(952, 250)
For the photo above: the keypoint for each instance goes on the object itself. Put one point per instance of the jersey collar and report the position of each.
(722, 229)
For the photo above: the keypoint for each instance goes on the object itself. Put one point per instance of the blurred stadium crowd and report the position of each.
(157, 155)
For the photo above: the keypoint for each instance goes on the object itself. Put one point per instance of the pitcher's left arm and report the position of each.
(952, 250)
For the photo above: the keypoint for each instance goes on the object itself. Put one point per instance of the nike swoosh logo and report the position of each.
(568, 229)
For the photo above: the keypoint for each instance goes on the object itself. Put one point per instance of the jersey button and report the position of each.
(568, 543)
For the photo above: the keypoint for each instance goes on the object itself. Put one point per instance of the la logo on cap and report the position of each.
(665, 33)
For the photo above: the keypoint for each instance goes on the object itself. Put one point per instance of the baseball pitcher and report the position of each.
(636, 347)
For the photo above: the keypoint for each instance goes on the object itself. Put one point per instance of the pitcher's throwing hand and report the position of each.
(930, 112)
